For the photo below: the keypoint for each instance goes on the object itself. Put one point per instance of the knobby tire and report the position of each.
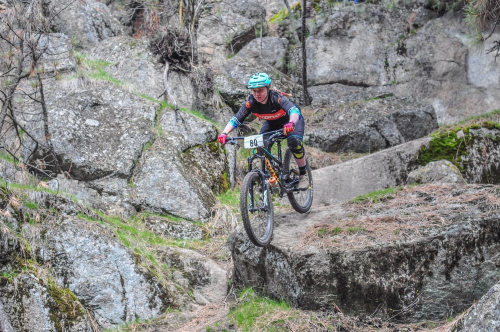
(301, 200)
(258, 224)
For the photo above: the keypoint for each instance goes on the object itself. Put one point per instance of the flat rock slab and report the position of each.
(426, 252)
(388, 168)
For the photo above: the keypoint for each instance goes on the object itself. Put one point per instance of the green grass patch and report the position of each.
(31, 205)
(231, 197)
(7, 157)
(9, 275)
(373, 196)
(248, 313)
(355, 229)
(4, 184)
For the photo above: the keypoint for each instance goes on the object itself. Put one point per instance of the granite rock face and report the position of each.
(370, 126)
(484, 315)
(438, 172)
(87, 22)
(402, 258)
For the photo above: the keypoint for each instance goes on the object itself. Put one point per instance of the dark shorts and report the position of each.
(275, 125)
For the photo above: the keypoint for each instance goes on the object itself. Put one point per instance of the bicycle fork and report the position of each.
(263, 184)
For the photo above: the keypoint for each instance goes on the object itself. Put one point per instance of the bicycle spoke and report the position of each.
(257, 217)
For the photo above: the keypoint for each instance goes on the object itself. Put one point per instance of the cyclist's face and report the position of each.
(260, 94)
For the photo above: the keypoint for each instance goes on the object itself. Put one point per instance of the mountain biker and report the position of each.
(279, 112)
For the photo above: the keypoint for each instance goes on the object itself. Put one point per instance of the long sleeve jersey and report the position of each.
(277, 108)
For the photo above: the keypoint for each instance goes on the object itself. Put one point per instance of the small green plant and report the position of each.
(390, 5)
(373, 196)
(444, 145)
(321, 232)
(355, 229)
(279, 16)
(31, 205)
(7, 157)
(9, 275)
(337, 230)
(396, 231)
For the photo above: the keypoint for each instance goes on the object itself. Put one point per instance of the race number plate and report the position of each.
(251, 142)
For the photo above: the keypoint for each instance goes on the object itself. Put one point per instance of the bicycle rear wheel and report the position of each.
(257, 211)
(301, 200)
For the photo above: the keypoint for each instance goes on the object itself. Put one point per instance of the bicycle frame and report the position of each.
(264, 154)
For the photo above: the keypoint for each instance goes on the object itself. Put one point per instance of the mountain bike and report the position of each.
(276, 175)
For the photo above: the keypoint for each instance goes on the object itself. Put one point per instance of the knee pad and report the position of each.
(296, 146)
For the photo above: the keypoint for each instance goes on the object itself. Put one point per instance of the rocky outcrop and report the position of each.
(370, 125)
(163, 184)
(482, 156)
(408, 256)
(76, 272)
(230, 27)
(87, 23)
(84, 274)
(483, 315)
(407, 50)
(95, 137)
(378, 171)
(85, 260)
(196, 272)
(438, 172)
(30, 303)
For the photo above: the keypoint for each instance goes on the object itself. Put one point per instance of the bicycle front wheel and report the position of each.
(300, 199)
(257, 211)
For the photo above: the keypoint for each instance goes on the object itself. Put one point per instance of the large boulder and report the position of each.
(370, 125)
(438, 172)
(436, 66)
(95, 135)
(407, 50)
(86, 22)
(83, 275)
(483, 315)
(374, 172)
(28, 303)
(164, 184)
(227, 31)
(423, 253)
(84, 257)
(182, 170)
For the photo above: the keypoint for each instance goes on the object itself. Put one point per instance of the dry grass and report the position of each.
(408, 214)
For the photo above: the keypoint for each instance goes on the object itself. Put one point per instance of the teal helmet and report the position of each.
(259, 80)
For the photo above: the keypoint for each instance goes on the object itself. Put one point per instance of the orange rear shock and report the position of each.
(271, 170)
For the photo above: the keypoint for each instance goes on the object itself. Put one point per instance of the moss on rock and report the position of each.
(446, 145)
